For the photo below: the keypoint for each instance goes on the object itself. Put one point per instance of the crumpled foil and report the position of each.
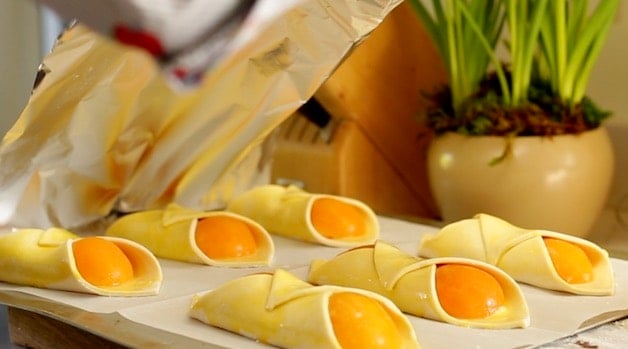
(104, 131)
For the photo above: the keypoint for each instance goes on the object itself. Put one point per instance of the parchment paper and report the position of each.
(105, 132)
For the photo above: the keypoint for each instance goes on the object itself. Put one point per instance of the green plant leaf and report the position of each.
(552, 45)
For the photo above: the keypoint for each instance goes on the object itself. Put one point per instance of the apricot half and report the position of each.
(224, 237)
(361, 322)
(570, 261)
(101, 262)
(335, 219)
(468, 292)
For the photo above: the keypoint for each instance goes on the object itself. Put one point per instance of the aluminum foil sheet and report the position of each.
(104, 131)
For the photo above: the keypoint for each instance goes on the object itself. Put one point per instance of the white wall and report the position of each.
(609, 89)
(19, 57)
(609, 80)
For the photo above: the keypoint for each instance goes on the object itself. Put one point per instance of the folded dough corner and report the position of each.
(45, 259)
(520, 252)
(287, 211)
(171, 234)
(283, 310)
(410, 282)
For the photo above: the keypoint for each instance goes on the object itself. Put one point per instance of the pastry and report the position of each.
(282, 310)
(58, 259)
(320, 218)
(541, 258)
(215, 238)
(458, 291)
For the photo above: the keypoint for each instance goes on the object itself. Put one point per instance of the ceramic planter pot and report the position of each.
(559, 183)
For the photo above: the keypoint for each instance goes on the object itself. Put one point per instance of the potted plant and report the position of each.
(516, 136)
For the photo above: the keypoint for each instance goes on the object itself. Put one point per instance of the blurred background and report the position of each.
(28, 31)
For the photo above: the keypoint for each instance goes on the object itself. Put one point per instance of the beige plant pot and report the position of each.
(559, 183)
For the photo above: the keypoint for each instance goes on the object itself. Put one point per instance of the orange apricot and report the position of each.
(361, 322)
(570, 261)
(336, 219)
(224, 237)
(101, 262)
(468, 292)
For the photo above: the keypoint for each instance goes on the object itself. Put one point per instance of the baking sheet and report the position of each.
(553, 314)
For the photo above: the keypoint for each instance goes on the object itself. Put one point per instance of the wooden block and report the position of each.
(33, 330)
(380, 86)
(375, 94)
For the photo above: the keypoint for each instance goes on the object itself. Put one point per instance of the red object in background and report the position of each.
(139, 38)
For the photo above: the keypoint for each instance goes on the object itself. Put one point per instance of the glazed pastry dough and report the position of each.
(282, 310)
(45, 259)
(519, 252)
(286, 211)
(170, 234)
(410, 283)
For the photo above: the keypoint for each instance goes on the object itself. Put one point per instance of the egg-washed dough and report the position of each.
(409, 282)
(44, 259)
(519, 252)
(170, 234)
(282, 310)
(286, 211)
